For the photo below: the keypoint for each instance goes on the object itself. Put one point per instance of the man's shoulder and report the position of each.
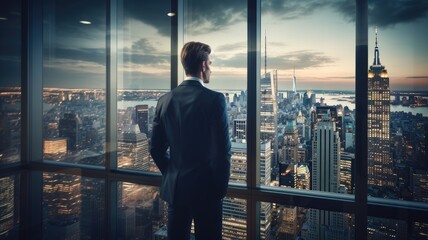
(214, 93)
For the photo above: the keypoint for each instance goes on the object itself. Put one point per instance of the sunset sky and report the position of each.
(315, 37)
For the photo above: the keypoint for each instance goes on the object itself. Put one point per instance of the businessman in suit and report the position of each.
(192, 122)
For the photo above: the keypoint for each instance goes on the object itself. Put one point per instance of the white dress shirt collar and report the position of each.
(194, 79)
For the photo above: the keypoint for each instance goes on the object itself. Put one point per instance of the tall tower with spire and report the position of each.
(269, 109)
(380, 166)
(294, 80)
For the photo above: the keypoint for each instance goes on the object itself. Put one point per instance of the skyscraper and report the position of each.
(69, 127)
(239, 129)
(268, 106)
(325, 177)
(133, 150)
(142, 115)
(294, 81)
(291, 142)
(380, 168)
(62, 203)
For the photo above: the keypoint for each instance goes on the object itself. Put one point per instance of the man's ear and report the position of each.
(204, 66)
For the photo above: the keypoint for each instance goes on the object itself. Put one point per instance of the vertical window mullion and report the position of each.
(110, 193)
(361, 97)
(253, 113)
(31, 133)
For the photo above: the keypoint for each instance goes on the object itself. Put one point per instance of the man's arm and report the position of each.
(159, 143)
(221, 166)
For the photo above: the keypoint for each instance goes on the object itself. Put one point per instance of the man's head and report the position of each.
(195, 57)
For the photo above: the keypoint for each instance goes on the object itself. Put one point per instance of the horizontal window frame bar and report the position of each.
(376, 207)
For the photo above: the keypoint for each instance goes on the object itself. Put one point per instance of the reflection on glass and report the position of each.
(291, 222)
(74, 81)
(143, 76)
(9, 214)
(73, 207)
(141, 214)
(10, 82)
(224, 28)
(307, 97)
(234, 218)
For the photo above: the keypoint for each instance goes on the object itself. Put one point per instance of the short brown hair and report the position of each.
(192, 56)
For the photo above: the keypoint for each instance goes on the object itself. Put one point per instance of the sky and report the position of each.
(314, 39)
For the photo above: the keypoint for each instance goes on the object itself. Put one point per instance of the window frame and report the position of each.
(32, 166)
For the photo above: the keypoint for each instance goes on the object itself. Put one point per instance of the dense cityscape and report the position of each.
(306, 143)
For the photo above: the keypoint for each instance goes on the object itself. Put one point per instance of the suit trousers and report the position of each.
(207, 216)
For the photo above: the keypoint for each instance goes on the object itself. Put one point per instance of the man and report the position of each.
(192, 122)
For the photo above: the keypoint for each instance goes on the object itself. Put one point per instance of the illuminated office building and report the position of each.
(62, 203)
(54, 148)
(234, 210)
(346, 164)
(142, 115)
(133, 150)
(380, 166)
(7, 206)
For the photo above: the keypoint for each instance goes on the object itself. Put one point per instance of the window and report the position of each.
(103, 65)
(10, 83)
(74, 82)
(397, 166)
(144, 74)
(223, 27)
(307, 96)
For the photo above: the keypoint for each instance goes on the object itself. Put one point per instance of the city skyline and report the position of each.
(317, 38)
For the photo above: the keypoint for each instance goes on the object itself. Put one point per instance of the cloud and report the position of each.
(143, 45)
(418, 77)
(232, 46)
(384, 13)
(298, 59)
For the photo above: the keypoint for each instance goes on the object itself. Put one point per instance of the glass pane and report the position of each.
(74, 81)
(291, 222)
(307, 96)
(10, 82)
(9, 207)
(144, 48)
(397, 103)
(73, 207)
(388, 229)
(141, 214)
(224, 28)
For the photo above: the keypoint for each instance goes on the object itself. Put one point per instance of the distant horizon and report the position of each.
(225, 89)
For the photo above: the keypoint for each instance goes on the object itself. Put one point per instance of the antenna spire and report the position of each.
(376, 60)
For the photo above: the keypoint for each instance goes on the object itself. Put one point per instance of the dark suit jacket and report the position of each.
(192, 121)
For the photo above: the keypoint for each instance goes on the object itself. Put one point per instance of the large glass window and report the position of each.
(10, 82)
(74, 81)
(307, 97)
(223, 26)
(397, 103)
(73, 207)
(144, 48)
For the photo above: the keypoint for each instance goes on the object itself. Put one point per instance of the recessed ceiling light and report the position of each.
(85, 22)
(171, 14)
(3, 18)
